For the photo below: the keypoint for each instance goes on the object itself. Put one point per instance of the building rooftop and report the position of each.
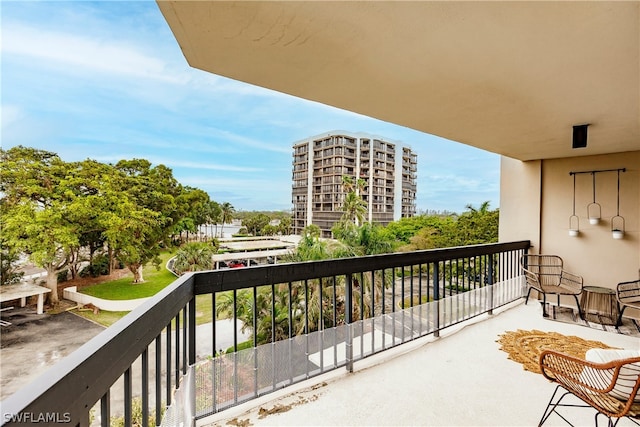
(461, 378)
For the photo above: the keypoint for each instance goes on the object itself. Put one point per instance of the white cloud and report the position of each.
(71, 50)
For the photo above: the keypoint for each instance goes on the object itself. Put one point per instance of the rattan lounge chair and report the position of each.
(628, 295)
(611, 388)
(545, 274)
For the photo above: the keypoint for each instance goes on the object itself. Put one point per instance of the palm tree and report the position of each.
(214, 213)
(354, 208)
(360, 184)
(484, 208)
(227, 215)
(347, 183)
(195, 256)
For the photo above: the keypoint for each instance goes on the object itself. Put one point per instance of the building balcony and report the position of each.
(401, 309)
(460, 378)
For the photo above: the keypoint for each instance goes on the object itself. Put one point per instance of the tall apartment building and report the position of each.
(319, 163)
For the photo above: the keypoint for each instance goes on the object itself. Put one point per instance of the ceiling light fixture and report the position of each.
(580, 136)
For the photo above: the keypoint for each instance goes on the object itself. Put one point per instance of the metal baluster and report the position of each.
(127, 397)
(105, 409)
(273, 337)
(215, 356)
(184, 340)
(145, 387)
(158, 380)
(255, 341)
(168, 373)
(177, 365)
(349, 321)
(436, 297)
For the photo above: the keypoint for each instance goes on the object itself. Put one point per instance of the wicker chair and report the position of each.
(545, 274)
(628, 295)
(610, 388)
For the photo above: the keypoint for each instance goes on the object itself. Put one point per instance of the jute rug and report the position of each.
(525, 346)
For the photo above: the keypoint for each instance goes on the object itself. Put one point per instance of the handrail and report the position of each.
(78, 381)
(225, 280)
(75, 384)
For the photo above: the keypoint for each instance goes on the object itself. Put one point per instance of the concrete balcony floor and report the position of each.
(459, 379)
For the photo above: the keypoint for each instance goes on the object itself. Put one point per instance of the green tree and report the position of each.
(310, 247)
(9, 265)
(354, 208)
(405, 228)
(255, 223)
(35, 211)
(143, 217)
(194, 205)
(227, 215)
(477, 226)
(214, 215)
(194, 256)
(284, 227)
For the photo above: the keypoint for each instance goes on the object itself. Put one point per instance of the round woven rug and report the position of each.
(525, 346)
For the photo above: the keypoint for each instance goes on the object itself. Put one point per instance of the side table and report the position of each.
(599, 305)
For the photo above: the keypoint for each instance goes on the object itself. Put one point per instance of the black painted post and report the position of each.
(490, 282)
(192, 356)
(436, 297)
(105, 410)
(349, 320)
(127, 397)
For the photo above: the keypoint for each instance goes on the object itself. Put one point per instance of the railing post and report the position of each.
(349, 321)
(436, 297)
(192, 357)
(490, 282)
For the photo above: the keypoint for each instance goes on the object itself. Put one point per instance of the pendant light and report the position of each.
(594, 210)
(617, 222)
(574, 221)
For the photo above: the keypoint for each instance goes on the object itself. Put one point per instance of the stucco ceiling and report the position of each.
(508, 77)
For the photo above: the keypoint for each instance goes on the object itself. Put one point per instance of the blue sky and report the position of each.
(107, 81)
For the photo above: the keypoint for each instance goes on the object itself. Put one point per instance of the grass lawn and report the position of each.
(104, 318)
(124, 288)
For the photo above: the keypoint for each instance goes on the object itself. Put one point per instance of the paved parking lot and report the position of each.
(33, 343)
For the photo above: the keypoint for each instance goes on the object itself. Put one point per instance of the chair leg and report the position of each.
(544, 305)
(580, 313)
(633, 420)
(551, 407)
(528, 293)
(619, 321)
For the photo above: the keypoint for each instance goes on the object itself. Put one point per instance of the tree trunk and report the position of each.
(73, 262)
(52, 283)
(113, 260)
(136, 269)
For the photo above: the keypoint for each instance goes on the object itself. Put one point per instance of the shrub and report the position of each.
(99, 266)
(63, 276)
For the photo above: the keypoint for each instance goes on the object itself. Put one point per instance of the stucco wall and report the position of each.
(595, 255)
(520, 201)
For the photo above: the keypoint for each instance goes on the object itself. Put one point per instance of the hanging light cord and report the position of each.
(593, 174)
(574, 194)
(618, 203)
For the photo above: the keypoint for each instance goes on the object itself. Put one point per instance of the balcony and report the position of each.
(394, 300)
(458, 379)
(402, 306)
